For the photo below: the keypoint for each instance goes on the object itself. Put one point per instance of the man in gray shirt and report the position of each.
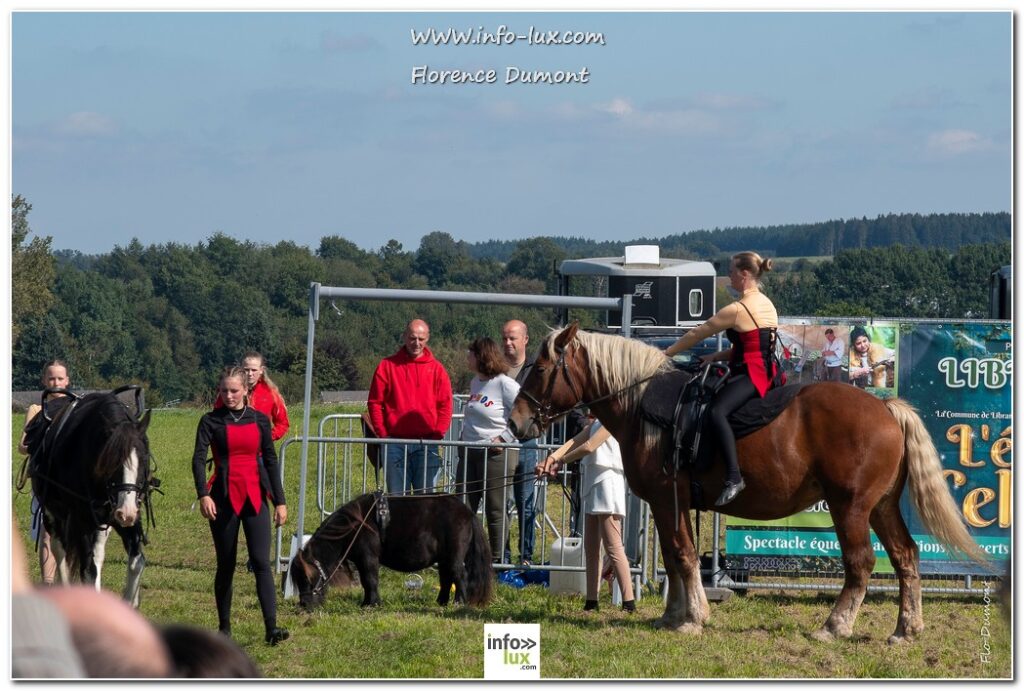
(514, 338)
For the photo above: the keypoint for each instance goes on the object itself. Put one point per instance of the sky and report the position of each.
(271, 126)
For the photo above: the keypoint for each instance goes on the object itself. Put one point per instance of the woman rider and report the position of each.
(749, 323)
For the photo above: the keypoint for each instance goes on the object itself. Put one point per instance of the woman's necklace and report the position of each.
(240, 415)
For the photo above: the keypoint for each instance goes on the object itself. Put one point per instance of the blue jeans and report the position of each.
(404, 470)
(523, 490)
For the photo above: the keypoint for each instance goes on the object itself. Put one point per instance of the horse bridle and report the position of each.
(543, 415)
(322, 578)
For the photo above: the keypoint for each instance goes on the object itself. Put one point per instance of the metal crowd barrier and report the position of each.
(344, 471)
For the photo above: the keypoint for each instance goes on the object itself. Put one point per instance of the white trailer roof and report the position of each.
(617, 266)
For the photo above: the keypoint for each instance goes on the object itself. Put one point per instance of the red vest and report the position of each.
(752, 353)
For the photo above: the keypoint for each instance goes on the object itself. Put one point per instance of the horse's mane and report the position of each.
(123, 437)
(334, 536)
(616, 364)
(100, 415)
(343, 521)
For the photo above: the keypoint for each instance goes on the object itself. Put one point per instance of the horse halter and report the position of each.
(322, 578)
(543, 415)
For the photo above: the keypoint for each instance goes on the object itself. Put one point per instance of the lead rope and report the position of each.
(324, 579)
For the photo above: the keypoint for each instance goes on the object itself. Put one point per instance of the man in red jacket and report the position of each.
(411, 398)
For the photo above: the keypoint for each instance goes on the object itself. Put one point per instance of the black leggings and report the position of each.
(257, 539)
(738, 391)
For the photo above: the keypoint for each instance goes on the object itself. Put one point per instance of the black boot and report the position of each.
(732, 488)
(276, 634)
(590, 605)
(629, 606)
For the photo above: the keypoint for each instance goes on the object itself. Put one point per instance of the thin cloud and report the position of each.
(685, 121)
(957, 142)
(619, 107)
(86, 124)
(726, 101)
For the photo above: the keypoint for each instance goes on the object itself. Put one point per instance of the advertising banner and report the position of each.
(959, 377)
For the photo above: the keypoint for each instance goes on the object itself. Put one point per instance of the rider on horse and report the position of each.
(750, 324)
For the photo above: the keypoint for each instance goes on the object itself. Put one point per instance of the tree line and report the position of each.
(169, 316)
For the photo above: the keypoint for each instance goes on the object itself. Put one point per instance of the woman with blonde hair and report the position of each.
(750, 324)
(263, 394)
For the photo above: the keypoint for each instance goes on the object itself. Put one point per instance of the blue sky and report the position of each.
(171, 127)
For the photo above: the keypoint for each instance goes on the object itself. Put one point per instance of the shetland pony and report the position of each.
(414, 532)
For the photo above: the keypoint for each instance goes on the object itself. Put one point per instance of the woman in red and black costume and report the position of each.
(245, 474)
(750, 324)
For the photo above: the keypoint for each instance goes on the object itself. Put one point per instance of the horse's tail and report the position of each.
(479, 572)
(928, 489)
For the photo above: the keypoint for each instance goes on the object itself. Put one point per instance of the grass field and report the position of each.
(760, 635)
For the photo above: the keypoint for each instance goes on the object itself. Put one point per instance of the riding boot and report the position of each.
(734, 483)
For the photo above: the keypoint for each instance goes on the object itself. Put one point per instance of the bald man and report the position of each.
(411, 398)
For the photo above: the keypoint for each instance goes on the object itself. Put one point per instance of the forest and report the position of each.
(170, 316)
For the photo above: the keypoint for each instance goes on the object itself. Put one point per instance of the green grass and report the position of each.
(760, 635)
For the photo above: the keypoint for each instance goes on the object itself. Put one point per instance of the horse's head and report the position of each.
(124, 466)
(554, 385)
(309, 579)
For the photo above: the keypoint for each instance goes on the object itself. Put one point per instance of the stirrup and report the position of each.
(730, 492)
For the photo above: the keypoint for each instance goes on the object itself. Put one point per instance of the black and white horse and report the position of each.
(90, 469)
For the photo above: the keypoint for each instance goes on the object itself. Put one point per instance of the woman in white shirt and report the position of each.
(491, 394)
(604, 504)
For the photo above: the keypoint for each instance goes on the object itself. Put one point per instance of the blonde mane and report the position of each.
(616, 364)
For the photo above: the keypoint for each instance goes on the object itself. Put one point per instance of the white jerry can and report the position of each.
(568, 551)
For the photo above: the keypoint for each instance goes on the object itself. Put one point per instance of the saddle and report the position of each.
(678, 401)
(38, 436)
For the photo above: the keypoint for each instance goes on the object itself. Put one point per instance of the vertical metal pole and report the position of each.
(716, 575)
(314, 313)
(627, 315)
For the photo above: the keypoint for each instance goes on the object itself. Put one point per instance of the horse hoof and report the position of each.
(896, 639)
(823, 636)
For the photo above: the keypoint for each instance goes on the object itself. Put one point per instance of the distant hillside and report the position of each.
(949, 231)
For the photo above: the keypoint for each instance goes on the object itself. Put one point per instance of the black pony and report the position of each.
(409, 534)
(90, 470)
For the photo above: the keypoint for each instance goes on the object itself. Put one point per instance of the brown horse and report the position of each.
(833, 442)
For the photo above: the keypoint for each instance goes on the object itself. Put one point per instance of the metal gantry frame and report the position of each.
(318, 292)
